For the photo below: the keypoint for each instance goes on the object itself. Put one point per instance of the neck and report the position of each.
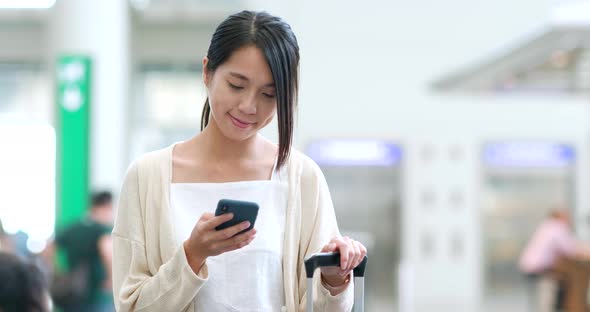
(219, 147)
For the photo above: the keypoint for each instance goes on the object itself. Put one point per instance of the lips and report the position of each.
(240, 123)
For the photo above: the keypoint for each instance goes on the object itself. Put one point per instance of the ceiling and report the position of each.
(147, 11)
(555, 61)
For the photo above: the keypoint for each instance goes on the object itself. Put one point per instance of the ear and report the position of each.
(206, 74)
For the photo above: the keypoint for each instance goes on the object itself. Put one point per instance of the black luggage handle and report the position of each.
(326, 259)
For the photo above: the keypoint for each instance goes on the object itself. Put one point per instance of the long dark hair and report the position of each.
(278, 43)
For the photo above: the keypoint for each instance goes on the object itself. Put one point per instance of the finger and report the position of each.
(231, 231)
(218, 220)
(344, 253)
(330, 247)
(363, 251)
(247, 242)
(351, 254)
(238, 246)
(357, 254)
(363, 254)
(239, 241)
(333, 244)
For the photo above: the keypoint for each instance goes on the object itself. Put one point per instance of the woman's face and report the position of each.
(241, 93)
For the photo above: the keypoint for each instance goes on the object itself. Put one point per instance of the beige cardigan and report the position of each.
(150, 269)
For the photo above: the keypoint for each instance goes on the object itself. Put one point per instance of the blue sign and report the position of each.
(354, 153)
(529, 154)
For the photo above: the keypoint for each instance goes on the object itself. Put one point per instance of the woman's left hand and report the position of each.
(351, 254)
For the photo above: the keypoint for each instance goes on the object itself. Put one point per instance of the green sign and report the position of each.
(73, 130)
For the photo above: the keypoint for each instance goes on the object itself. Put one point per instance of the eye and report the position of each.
(233, 86)
(270, 96)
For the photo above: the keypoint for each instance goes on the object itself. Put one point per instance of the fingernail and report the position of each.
(247, 224)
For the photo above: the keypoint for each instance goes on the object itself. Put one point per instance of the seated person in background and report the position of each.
(553, 239)
(23, 287)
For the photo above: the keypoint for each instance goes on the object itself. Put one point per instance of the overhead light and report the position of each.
(529, 154)
(354, 153)
(26, 4)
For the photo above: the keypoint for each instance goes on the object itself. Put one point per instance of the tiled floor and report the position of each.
(507, 303)
(514, 302)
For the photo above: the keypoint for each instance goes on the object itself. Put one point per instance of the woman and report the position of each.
(167, 254)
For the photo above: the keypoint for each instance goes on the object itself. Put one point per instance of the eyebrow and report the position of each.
(242, 77)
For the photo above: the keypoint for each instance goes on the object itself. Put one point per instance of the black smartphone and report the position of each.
(242, 210)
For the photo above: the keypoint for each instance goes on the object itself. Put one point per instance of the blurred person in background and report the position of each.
(168, 255)
(87, 246)
(554, 239)
(23, 288)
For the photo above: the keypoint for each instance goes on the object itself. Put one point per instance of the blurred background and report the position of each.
(447, 130)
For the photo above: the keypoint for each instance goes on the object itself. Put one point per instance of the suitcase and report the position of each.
(318, 260)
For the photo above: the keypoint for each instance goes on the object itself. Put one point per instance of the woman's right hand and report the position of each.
(205, 241)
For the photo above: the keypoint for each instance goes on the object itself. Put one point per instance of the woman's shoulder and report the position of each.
(298, 157)
(307, 167)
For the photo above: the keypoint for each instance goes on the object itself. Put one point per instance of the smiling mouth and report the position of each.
(239, 123)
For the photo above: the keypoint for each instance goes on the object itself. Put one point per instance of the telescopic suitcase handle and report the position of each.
(326, 259)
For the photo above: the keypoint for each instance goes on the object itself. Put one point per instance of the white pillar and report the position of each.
(101, 30)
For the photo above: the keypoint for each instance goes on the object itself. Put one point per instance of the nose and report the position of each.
(248, 105)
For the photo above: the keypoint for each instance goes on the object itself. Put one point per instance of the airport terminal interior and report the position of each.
(452, 135)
